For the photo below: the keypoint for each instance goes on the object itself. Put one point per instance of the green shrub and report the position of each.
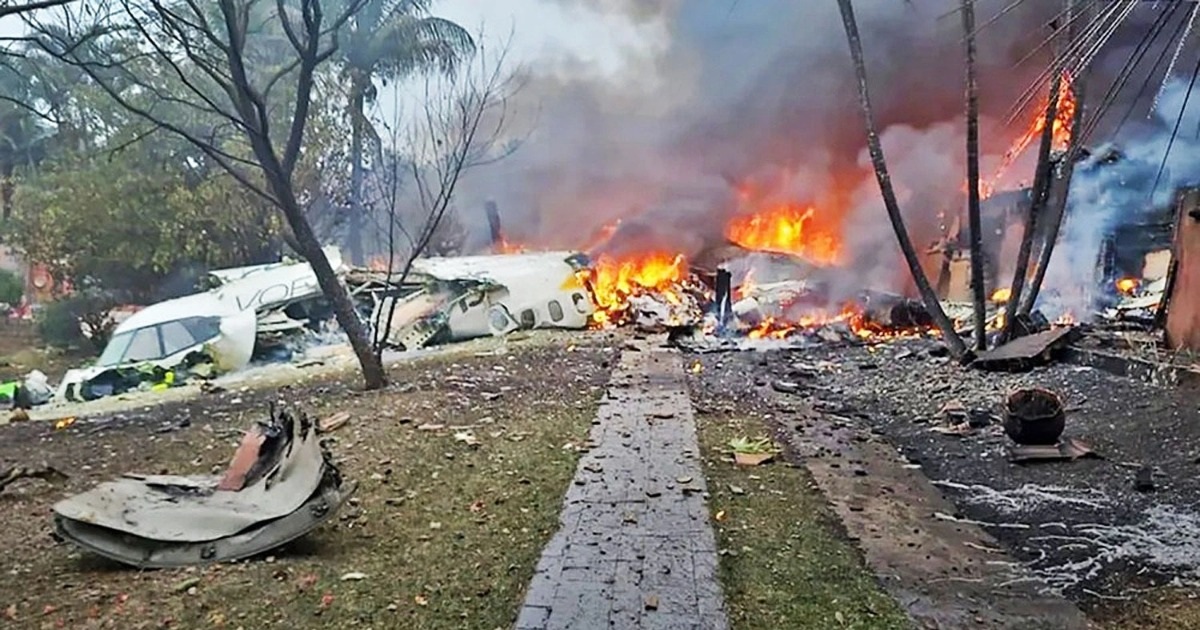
(59, 322)
(11, 288)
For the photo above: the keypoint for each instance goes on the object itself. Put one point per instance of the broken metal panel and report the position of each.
(1156, 264)
(415, 319)
(136, 517)
(287, 486)
(474, 296)
(249, 302)
(192, 509)
(502, 293)
(1026, 352)
(469, 317)
(500, 269)
(179, 331)
(274, 285)
(261, 538)
(233, 349)
(233, 274)
(277, 322)
(1066, 450)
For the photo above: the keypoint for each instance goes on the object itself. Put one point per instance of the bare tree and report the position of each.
(461, 124)
(928, 296)
(249, 65)
(975, 224)
(19, 8)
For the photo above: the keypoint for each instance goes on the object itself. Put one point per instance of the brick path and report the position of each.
(634, 548)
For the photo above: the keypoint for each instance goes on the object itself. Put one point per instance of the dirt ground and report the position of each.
(1082, 526)
(447, 534)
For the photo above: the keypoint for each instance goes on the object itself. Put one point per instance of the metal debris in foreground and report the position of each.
(280, 486)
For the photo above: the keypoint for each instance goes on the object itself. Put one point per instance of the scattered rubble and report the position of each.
(45, 472)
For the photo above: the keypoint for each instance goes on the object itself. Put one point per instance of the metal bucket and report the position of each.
(1034, 417)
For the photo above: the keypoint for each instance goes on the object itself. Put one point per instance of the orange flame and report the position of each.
(613, 281)
(1001, 295)
(787, 229)
(851, 315)
(507, 247)
(602, 235)
(1066, 319)
(1127, 285)
(1063, 120)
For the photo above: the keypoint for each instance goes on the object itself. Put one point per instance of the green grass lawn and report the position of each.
(442, 533)
(784, 562)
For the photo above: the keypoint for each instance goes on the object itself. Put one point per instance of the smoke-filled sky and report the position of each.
(658, 111)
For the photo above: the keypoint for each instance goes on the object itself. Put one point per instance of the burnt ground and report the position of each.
(443, 531)
(1081, 526)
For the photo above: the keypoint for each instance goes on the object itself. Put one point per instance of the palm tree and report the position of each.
(955, 343)
(973, 219)
(388, 40)
(23, 136)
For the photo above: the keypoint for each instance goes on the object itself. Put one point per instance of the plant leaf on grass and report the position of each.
(752, 447)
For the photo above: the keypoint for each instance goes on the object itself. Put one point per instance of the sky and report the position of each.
(547, 29)
(541, 33)
(539, 29)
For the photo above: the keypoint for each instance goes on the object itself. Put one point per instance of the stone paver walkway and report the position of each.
(634, 549)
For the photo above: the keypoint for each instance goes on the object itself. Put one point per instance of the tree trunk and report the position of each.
(928, 296)
(357, 117)
(374, 376)
(978, 291)
(1043, 176)
(1058, 206)
(347, 316)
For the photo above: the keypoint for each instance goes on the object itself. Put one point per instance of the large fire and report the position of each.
(1127, 286)
(804, 231)
(772, 328)
(786, 228)
(1063, 120)
(613, 281)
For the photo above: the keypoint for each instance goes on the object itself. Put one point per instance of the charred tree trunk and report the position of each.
(1041, 185)
(975, 224)
(495, 230)
(928, 296)
(1058, 205)
(357, 122)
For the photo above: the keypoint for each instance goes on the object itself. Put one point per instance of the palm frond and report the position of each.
(409, 45)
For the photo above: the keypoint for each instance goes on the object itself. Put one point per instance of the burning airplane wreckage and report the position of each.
(779, 274)
(265, 312)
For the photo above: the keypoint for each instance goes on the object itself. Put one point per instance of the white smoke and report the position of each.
(759, 92)
(1106, 195)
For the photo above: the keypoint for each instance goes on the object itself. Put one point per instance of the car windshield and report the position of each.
(159, 341)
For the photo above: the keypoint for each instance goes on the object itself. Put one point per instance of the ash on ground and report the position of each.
(1091, 529)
